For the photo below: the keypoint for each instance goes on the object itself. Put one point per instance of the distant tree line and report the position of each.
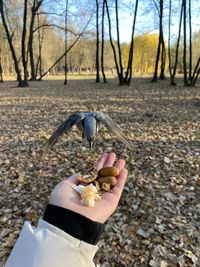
(38, 37)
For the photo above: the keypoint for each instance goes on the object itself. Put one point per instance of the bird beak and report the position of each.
(91, 144)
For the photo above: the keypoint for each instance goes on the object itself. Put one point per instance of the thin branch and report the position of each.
(156, 5)
(70, 47)
(59, 27)
(51, 13)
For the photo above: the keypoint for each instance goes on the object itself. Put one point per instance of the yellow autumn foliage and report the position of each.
(145, 47)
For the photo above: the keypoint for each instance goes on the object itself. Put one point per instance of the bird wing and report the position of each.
(113, 127)
(65, 127)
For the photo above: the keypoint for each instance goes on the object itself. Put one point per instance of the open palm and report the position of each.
(65, 196)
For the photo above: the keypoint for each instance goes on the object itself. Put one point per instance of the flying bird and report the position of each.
(89, 124)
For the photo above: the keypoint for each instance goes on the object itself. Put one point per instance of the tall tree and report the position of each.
(40, 33)
(1, 69)
(102, 42)
(169, 39)
(130, 60)
(185, 42)
(121, 78)
(34, 9)
(190, 42)
(97, 43)
(111, 41)
(10, 42)
(66, 65)
(192, 78)
(174, 68)
(163, 59)
(160, 42)
(23, 46)
(124, 79)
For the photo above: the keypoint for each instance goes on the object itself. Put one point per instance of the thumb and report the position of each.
(74, 178)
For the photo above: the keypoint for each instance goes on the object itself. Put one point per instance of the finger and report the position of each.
(101, 160)
(120, 164)
(117, 190)
(74, 178)
(110, 160)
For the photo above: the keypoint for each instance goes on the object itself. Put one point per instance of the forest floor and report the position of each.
(157, 222)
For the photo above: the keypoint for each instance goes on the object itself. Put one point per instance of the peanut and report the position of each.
(106, 187)
(108, 180)
(108, 171)
(87, 179)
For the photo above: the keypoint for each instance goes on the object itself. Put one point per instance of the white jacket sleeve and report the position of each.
(49, 246)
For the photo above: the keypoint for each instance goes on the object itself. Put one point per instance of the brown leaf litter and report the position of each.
(157, 222)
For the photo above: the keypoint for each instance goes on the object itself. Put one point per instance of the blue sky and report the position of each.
(147, 17)
(148, 22)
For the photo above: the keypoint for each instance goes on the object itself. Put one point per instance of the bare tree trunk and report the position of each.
(130, 60)
(1, 74)
(40, 43)
(163, 60)
(111, 40)
(185, 44)
(121, 76)
(34, 9)
(97, 43)
(177, 49)
(195, 77)
(190, 43)
(23, 47)
(66, 66)
(102, 43)
(155, 76)
(196, 73)
(169, 39)
(9, 38)
(32, 64)
(1, 69)
(123, 80)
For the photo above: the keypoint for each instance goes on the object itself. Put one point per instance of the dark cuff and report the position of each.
(74, 224)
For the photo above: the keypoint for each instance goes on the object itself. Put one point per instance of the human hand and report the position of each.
(63, 195)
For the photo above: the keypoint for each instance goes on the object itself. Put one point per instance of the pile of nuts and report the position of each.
(91, 187)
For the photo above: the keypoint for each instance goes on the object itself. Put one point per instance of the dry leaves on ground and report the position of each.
(157, 223)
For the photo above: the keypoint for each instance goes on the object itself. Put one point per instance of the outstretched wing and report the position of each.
(113, 127)
(65, 127)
